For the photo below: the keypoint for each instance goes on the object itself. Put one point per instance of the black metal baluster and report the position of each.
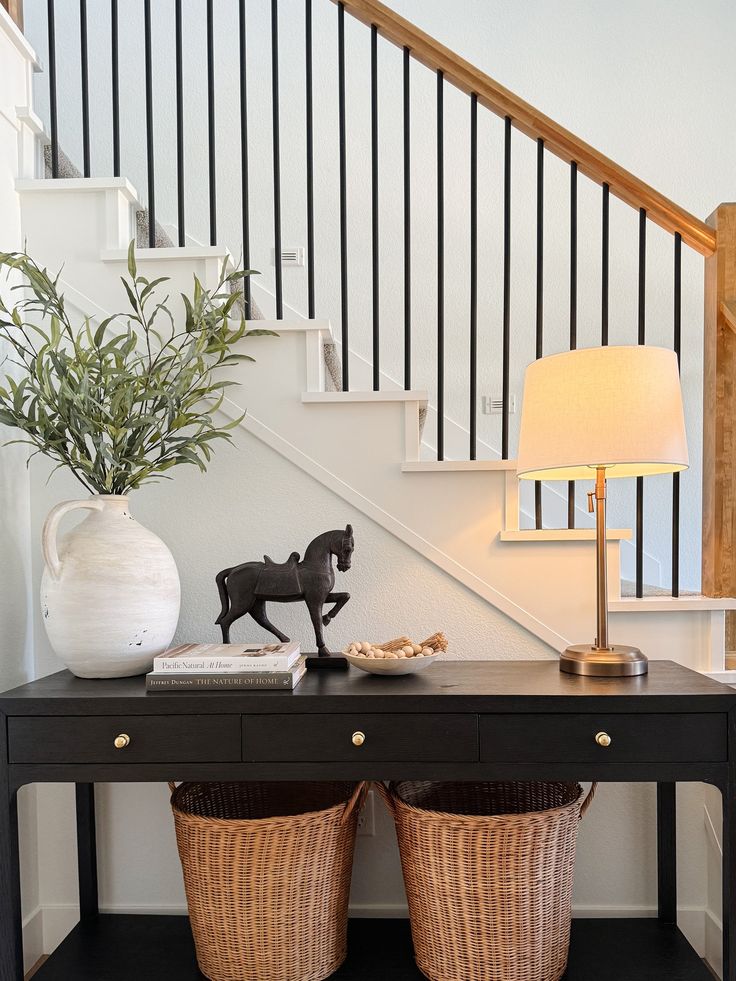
(85, 86)
(276, 159)
(374, 209)
(641, 340)
(506, 342)
(407, 219)
(310, 158)
(149, 126)
(641, 318)
(211, 130)
(605, 238)
(179, 125)
(473, 408)
(539, 351)
(440, 265)
(115, 70)
(344, 312)
(676, 476)
(53, 112)
(573, 306)
(244, 196)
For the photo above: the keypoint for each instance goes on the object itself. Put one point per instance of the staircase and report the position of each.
(366, 445)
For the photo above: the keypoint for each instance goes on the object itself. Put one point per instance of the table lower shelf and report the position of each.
(156, 948)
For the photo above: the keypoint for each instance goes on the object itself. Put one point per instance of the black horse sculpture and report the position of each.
(246, 588)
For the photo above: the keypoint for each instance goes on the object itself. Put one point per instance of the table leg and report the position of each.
(87, 850)
(666, 853)
(11, 924)
(729, 878)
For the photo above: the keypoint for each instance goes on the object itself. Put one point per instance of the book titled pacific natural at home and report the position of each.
(205, 658)
(188, 681)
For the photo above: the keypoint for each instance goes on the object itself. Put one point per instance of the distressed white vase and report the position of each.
(110, 590)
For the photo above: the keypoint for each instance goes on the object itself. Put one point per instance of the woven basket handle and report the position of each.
(588, 800)
(385, 795)
(356, 800)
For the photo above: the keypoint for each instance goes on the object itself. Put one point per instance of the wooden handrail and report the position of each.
(564, 144)
(15, 9)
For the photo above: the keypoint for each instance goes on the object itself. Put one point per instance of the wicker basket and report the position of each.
(488, 869)
(267, 871)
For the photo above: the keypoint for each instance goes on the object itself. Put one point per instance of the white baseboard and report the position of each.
(713, 942)
(33, 941)
(58, 921)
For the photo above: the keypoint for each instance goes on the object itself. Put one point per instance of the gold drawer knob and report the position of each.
(358, 738)
(122, 741)
(603, 739)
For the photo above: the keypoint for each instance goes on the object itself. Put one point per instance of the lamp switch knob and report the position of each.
(591, 506)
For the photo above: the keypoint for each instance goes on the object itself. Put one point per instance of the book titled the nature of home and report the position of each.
(220, 658)
(189, 681)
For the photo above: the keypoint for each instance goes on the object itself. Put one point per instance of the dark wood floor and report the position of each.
(151, 948)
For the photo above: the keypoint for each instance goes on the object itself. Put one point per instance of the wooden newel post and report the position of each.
(15, 9)
(719, 409)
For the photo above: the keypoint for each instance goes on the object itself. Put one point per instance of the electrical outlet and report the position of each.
(367, 817)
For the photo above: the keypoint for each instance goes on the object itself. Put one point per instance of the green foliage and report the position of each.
(121, 403)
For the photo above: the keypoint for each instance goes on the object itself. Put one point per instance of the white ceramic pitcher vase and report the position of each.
(110, 590)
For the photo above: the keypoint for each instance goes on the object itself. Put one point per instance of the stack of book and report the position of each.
(228, 667)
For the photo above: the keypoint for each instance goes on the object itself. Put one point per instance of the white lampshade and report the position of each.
(617, 407)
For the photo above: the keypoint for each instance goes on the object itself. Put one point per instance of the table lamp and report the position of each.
(597, 413)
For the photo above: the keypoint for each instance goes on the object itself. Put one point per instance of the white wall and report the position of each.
(628, 77)
(16, 602)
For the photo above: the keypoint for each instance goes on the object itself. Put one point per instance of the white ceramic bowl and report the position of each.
(398, 665)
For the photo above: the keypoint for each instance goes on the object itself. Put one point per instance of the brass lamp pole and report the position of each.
(600, 658)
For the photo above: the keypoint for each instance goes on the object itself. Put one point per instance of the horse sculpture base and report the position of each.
(335, 662)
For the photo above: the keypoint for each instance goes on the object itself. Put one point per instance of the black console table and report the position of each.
(458, 720)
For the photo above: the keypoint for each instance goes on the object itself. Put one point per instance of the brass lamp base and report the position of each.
(617, 661)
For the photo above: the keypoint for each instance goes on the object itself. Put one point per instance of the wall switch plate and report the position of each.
(367, 816)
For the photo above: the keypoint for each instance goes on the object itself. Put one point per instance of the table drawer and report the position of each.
(387, 737)
(654, 738)
(152, 739)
